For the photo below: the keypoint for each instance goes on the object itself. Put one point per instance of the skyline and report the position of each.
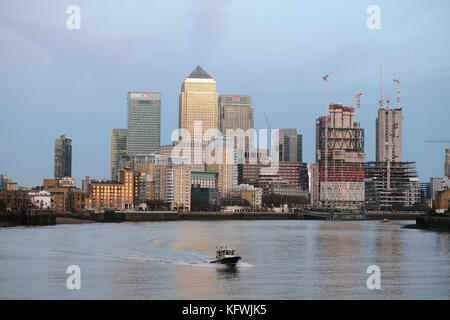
(65, 74)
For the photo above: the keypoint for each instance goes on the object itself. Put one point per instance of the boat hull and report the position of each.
(229, 261)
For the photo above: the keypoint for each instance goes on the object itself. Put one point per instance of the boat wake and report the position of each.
(198, 264)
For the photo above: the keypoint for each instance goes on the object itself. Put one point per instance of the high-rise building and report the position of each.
(436, 185)
(236, 113)
(198, 102)
(290, 145)
(447, 162)
(163, 178)
(130, 181)
(4, 181)
(400, 190)
(338, 174)
(389, 135)
(144, 122)
(63, 157)
(118, 149)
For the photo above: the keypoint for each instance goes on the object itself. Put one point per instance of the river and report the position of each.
(282, 259)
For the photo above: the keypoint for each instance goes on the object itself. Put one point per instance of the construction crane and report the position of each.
(437, 141)
(381, 86)
(397, 80)
(269, 127)
(325, 78)
(388, 100)
(268, 122)
(358, 103)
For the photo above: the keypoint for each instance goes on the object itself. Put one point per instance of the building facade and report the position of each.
(447, 163)
(236, 113)
(290, 145)
(63, 157)
(104, 194)
(144, 122)
(338, 174)
(391, 189)
(204, 179)
(118, 150)
(198, 102)
(389, 135)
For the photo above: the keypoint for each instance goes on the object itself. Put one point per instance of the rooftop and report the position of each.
(199, 73)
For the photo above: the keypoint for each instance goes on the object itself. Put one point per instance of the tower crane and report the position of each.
(358, 103)
(325, 78)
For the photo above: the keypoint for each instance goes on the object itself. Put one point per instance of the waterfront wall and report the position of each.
(433, 222)
(173, 216)
(29, 217)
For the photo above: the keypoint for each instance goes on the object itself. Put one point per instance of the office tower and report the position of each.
(198, 101)
(4, 181)
(236, 112)
(85, 183)
(447, 163)
(425, 191)
(144, 122)
(436, 185)
(389, 135)
(290, 145)
(338, 176)
(63, 157)
(118, 149)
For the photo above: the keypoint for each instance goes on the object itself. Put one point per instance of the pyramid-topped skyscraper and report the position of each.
(198, 102)
(199, 73)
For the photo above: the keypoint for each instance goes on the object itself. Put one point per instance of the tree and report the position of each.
(2, 206)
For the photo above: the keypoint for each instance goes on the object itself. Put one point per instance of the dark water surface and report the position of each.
(281, 260)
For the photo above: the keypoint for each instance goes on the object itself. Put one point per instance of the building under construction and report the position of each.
(338, 174)
(391, 186)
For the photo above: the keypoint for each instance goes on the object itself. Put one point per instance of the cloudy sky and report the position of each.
(57, 81)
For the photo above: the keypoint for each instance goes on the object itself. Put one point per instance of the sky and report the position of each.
(55, 80)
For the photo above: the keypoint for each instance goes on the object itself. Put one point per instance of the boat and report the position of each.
(226, 255)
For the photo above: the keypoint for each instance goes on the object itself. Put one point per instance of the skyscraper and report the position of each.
(290, 146)
(144, 122)
(63, 157)
(447, 163)
(389, 135)
(118, 149)
(236, 112)
(338, 174)
(198, 101)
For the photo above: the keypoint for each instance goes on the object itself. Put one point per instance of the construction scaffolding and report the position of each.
(338, 175)
(393, 185)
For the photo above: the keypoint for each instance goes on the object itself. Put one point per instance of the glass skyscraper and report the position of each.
(63, 157)
(118, 150)
(144, 122)
(291, 145)
(236, 112)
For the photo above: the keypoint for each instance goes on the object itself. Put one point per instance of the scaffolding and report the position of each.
(391, 185)
(339, 169)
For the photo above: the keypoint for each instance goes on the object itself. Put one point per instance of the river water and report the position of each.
(280, 260)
